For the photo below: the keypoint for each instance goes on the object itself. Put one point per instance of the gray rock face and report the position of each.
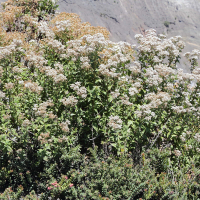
(125, 18)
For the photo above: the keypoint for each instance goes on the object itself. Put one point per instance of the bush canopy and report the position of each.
(82, 117)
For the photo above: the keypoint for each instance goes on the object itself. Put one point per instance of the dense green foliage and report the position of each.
(82, 117)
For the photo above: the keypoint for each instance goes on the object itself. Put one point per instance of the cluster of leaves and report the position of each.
(80, 118)
(109, 177)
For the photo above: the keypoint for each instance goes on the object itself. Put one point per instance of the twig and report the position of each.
(93, 144)
(95, 137)
(159, 133)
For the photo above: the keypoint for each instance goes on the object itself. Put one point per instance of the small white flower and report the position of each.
(177, 153)
(115, 122)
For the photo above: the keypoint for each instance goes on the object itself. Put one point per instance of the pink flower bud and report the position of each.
(70, 185)
(55, 183)
(66, 177)
(49, 188)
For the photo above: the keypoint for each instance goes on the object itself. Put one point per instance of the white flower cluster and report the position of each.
(194, 55)
(33, 43)
(163, 70)
(63, 25)
(71, 100)
(41, 110)
(81, 91)
(158, 46)
(115, 122)
(177, 153)
(43, 138)
(197, 137)
(125, 79)
(8, 50)
(56, 45)
(138, 84)
(82, 47)
(56, 74)
(179, 109)
(64, 126)
(115, 94)
(60, 78)
(133, 91)
(182, 77)
(157, 99)
(170, 87)
(26, 123)
(9, 86)
(50, 71)
(59, 67)
(85, 62)
(135, 69)
(153, 77)
(1, 71)
(183, 137)
(187, 106)
(145, 112)
(51, 115)
(193, 59)
(2, 94)
(17, 69)
(43, 28)
(106, 71)
(125, 100)
(111, 53)
(187, 101)
(37, 60)
(32, 86)
(196, 71)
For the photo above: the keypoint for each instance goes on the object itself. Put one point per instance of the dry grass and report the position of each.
(78, 29)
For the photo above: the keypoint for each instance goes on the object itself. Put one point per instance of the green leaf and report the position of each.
(95, 128)
(130, 122)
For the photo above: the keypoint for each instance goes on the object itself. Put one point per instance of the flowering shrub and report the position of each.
(65, 88)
